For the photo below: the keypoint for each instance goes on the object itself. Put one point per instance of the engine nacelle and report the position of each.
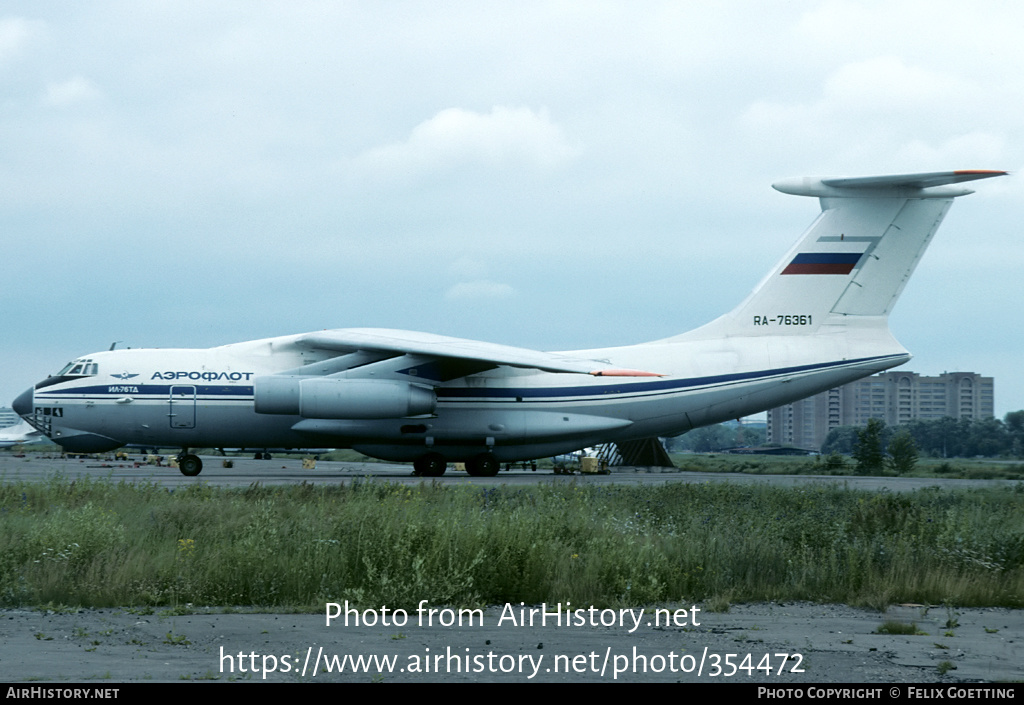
(338, 398)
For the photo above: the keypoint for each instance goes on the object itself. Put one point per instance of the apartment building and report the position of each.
(894, 397)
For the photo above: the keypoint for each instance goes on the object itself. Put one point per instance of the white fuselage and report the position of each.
(204, 397)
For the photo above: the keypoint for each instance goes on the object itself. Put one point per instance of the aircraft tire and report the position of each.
(483, 465)
(430, 465)
(190, 465)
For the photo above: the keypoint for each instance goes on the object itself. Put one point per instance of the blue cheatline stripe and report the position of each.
(162, 390)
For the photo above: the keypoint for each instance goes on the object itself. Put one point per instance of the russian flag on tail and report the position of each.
(823, 263)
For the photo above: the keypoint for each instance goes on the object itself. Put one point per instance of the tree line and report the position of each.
(710, 439)
(937, 438)
(942, 438)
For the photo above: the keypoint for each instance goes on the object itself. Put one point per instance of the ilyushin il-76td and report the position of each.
(818, 320)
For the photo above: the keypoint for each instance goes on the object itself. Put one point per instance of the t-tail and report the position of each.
(820, 319)
(849, 268)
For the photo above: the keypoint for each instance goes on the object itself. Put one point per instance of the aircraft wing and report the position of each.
(458, 356)
(20, 434)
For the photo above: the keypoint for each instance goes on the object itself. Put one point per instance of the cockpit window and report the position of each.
(78, 368)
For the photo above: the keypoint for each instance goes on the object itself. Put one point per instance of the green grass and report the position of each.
(98, 543)
(891, 626)
(956, 468)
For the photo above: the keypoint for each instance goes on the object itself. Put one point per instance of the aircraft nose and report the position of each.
(23, 404)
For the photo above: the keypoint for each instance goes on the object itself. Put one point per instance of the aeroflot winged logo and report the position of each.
(823, 263)
(124, 375)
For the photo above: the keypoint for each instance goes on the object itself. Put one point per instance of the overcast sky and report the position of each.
(554, 175)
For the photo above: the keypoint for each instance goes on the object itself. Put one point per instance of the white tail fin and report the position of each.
(855, 258)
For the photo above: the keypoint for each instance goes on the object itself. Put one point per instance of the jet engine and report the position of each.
(341, 398)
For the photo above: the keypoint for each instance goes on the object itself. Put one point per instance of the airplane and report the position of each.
(20, 434)
(818, 320)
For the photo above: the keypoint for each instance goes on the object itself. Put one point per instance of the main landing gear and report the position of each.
(429, 465)
(434, 465)
(189, 465)
(483, 465)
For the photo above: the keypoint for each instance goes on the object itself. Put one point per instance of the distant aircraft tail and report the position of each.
(855, 258)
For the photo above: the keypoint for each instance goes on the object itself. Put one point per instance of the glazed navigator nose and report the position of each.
(23, 404)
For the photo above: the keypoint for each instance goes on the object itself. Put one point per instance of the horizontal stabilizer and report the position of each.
(925, 185)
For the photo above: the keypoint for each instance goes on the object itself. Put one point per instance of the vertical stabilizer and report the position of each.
(855, 258)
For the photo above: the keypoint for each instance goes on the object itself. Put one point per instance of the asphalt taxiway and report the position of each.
(768, 644)
(281, 470)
